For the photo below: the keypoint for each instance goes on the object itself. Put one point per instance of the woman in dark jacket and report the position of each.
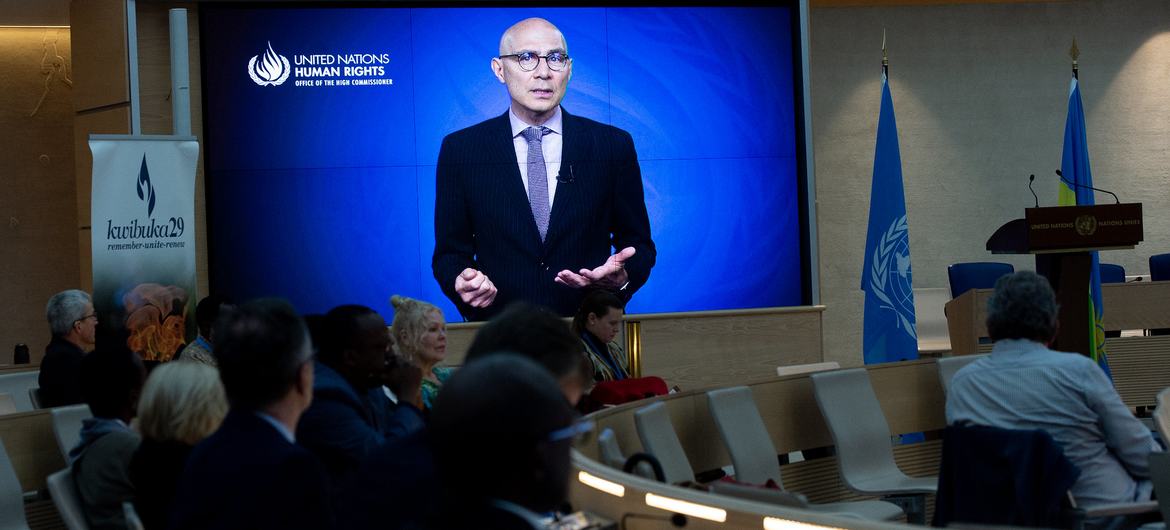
(182, 403)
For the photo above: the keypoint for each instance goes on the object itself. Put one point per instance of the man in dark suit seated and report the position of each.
(532, 204)
(250, 473)
(502, 433)
(350, 416)
(73, 323)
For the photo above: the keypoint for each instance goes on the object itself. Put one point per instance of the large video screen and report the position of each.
(323, 128)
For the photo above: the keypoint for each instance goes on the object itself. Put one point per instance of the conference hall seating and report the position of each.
(862, 438)
(11, 498)
(976, 275)
(16, 382)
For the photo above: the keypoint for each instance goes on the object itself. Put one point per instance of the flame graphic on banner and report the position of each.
(269, 68)
(145, 189)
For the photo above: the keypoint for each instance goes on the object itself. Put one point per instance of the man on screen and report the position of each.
(537, 204)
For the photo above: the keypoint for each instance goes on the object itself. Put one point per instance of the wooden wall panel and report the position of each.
(38, 250)
(114, 120)
(99, 36)
(728, 347)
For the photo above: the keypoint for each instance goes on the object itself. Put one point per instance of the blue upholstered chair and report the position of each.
(1160, 267)
(976, 275)
(1111, 273)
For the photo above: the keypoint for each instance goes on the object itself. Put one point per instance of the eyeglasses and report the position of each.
(87, 317)
(556, 61)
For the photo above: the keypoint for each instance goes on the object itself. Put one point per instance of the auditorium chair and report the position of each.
(11, 495)
(67, 426)
(16, 384)
(34, 397)
(1112, 273)
(7, 404)
(1159, 267)
(861, 435)
(949, 366)
(611, 455)
(659, 439)
(1162, 418)
(976, 275)
(67, 499)
(1160, 477)
(755, 459)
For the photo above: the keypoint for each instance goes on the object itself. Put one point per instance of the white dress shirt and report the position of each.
(550, 145)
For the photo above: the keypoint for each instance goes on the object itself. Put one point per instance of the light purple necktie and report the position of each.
(537, 178)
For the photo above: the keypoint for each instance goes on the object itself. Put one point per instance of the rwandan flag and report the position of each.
(890, 333)
(1074, 165)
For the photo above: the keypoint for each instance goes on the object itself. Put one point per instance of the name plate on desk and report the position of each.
(1068, 228)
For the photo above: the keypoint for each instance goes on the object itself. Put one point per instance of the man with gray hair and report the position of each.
(1024, 385)
(73, 323)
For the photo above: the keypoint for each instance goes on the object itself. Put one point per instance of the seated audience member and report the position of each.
(251, 473)
(1024, 385)
(536, 333)
(597, 322)
(206, 312)
(73, 323)
(350, 416)
(502, 433)
(111, 381)
(181, 404)
(421, 335)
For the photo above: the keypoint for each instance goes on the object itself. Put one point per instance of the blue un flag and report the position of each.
(890, 333)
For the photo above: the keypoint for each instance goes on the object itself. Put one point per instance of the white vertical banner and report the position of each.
(143, 224)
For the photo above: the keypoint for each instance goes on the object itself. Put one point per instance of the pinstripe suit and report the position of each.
(483, 219)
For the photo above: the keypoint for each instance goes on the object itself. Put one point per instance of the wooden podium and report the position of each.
(1062, 238)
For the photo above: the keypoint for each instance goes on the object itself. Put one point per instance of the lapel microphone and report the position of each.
(561, 178)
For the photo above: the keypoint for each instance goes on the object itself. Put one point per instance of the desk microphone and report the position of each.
(561, 178)
(1032, 178)
(1075, 185)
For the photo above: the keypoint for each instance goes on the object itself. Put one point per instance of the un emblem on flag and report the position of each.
(890, 275)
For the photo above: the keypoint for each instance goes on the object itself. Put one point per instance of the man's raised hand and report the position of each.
(611, 274)
(475, 288)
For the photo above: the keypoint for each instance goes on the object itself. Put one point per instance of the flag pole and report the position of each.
(1074, 53)
(885, 57)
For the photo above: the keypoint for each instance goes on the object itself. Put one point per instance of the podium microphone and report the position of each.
(677, 520)
(1032, 178)
(1075, 185)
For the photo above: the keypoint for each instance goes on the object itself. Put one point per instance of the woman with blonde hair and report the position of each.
(181, 404)
(420, 334)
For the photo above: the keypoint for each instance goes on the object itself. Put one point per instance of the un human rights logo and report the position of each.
(268, 68)
(890, 276)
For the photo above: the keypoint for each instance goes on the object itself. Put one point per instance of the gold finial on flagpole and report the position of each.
(1074, 53)
(885, 56)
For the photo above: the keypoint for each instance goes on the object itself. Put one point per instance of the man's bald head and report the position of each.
(537, 88)
(526, 25)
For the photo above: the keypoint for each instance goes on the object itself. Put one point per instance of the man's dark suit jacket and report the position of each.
(60, 377)
(247, 476)
(483, 219)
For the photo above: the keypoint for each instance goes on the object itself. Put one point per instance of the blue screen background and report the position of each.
(325, 195)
